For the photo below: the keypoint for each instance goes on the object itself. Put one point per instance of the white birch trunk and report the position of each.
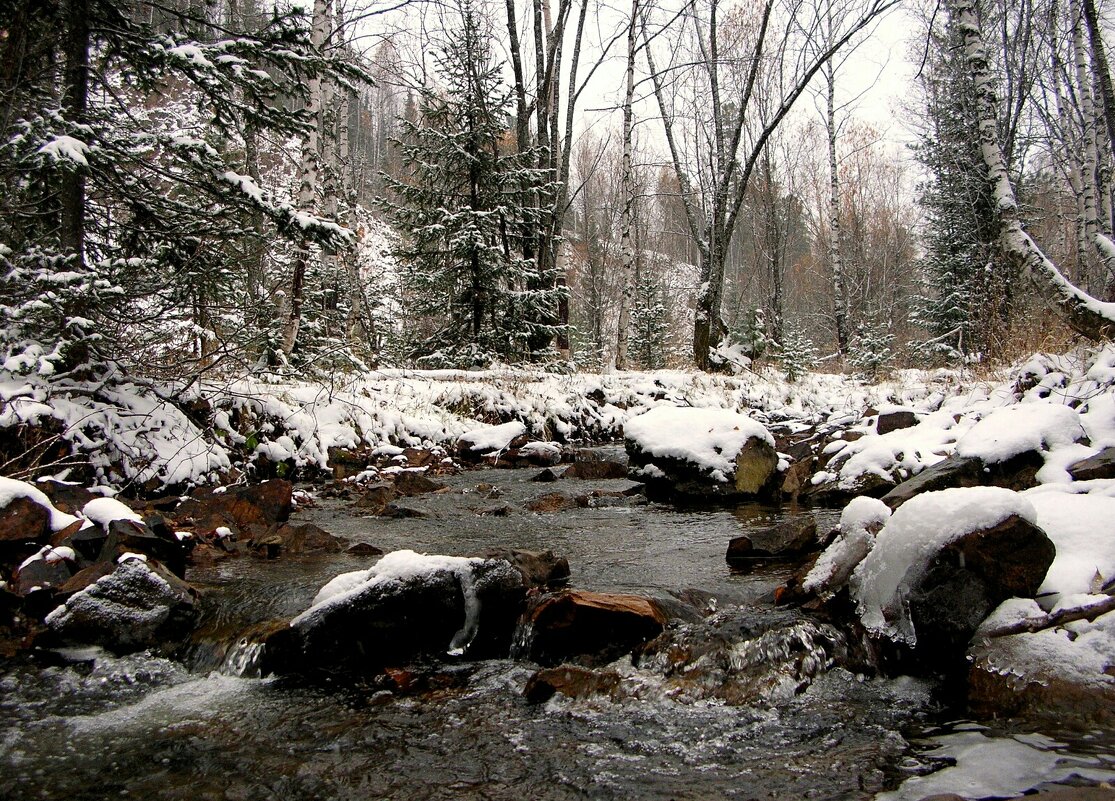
(627, 222)
(839, 304)
(1083, 313)
(309, 178)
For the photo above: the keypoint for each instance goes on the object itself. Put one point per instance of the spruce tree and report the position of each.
(476, 299)
(966, 286)
(650, 327)
(128, 202)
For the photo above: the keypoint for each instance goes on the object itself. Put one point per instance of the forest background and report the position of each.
(198, 188)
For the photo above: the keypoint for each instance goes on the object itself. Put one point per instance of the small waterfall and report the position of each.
(522, 638)
(243, 659)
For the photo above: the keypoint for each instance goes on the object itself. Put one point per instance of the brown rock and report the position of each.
(364, 549)
(796, 479)
(1102, 465)
(376, 497)
(306, 538)
(538, 568)
(412, 483)
(590, 627)
(419, 457)
(596, 470)
(550, 503)
(265, 503)
(68, 498)
(571, 681)
(789, 538)
(23, 520)
(894, 421)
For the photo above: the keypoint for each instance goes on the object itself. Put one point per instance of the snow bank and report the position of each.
(914, 533)
(1012, 430)
(708, 438)
(1080, 528)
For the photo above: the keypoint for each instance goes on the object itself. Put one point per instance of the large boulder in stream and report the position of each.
(694, 454)
(936, 569)
(138, 604)
(411, 606)
(591, 628)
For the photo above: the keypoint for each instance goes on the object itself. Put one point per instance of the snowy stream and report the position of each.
(82, 724)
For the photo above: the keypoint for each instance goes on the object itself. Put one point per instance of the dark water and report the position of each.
(93, 726)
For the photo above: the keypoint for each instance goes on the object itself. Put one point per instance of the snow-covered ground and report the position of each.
(133, 434)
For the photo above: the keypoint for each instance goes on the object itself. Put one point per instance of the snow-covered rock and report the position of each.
(138, 605)
(27, 515)
(406, 606)
(488, 439)
(987, 534)
(692, 452)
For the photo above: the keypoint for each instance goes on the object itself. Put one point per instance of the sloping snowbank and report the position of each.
(128, 433)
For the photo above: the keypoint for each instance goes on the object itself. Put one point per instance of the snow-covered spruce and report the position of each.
(690, 452)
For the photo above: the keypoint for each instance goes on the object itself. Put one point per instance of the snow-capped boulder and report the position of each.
(27, 515)
(138, 605)
(938, 566)
(405, 607)
(685, 452)
(480, 442)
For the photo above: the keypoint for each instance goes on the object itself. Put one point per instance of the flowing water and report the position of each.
(82, 724)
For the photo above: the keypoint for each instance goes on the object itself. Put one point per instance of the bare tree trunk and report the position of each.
(309, 175)
(1084, 314)
(627, 179)
(836, 261)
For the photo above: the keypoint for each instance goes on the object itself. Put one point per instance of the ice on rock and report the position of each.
(708, 438)
(859, 522)
(402, 566)
(492, 438)
(912, 536)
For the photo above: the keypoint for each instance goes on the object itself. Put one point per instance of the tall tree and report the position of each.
(458, 206)
(728, 61)
(1083, 313)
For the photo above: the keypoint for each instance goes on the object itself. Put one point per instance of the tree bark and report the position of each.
(1086, 315)
(76, 102)
(309, 174)
(627, 178)
(836, 261)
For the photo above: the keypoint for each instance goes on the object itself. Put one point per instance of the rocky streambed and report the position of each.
(667, 673)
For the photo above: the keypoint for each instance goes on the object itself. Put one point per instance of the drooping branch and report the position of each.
(1086, 315)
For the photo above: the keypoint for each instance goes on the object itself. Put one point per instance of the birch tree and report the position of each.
(1083, 313)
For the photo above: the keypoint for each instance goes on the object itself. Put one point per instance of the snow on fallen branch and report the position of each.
(1034, 624)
